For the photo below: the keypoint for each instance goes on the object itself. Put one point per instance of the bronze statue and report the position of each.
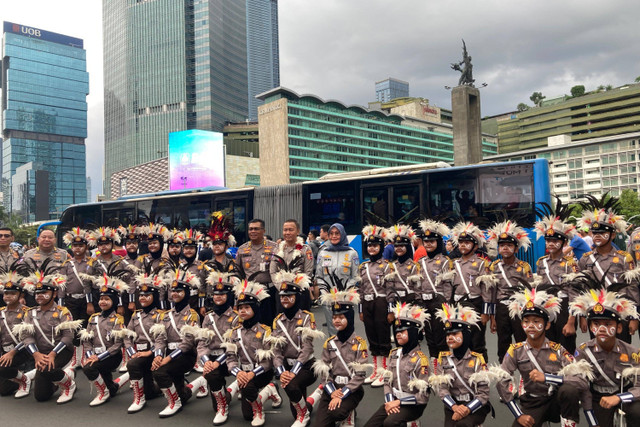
(466, 78)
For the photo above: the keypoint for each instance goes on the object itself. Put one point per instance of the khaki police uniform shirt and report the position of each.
(348, 370)
(76, 287)
(507, 275)
(292, 344)
(7, 258)
(431, 270)
(8, 319)
(612, 363)
(253, 348)
(218, 326)
(402, 279)
(138, 334)
(255, 261)
(177, 334)
(58, 256)
(287, 254)
(613, 264)
(462, 275)
(54, 323)
(405, 368)
(551, 357)
(471, 363)
(552, 272)
(372, 279)
(101, 337)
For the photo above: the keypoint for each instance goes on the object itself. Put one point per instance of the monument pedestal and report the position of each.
(467, 136)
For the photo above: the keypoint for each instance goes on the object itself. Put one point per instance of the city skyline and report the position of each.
(339, 50)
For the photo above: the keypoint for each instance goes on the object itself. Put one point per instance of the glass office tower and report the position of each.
(44, 121)
(172, 65)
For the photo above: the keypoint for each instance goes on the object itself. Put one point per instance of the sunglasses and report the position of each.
(6, 236)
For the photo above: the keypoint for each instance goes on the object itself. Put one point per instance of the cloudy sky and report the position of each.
(339, 48)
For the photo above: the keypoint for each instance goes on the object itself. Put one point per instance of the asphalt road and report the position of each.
(198, 412)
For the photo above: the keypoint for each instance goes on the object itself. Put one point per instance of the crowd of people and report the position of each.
(245, 323)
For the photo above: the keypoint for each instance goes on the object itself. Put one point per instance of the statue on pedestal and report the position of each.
(465, 67)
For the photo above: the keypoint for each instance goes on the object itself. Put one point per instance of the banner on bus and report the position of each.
(196, 159)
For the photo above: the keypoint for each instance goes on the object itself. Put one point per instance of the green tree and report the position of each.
(536, 98)
(637, 80)
(630, 205)
(522, 107)
(577, 90)
(608, 87)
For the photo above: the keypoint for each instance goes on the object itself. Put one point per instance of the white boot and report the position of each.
(174, 404)
(139, 401)
(258, 413)
(379, 381)
(67, 386)
(350, 421)
(200, 387)
(103, 395)
(125, 359)
(122, 380)
(233, 389)
(302, 413)
(222, 407)
(314, 397)
(198, 368)
(415, 423)
(76, 358)
(565, 422)
(374, 375)
(24, 385)
(271, 392)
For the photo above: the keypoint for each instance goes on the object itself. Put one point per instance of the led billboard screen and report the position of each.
(196, 159)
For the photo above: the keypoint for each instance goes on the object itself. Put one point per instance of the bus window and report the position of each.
(452, 196)
(162, 211)
(192, 213)
(406, 204)
(508, 189)
(236, 210)
(118, 216)
(375, 203)
(328, 205)
(85, 217)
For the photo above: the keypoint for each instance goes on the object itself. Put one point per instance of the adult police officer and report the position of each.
(46, 249)
(253, 262)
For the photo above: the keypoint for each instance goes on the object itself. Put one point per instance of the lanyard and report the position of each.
(287, 335)
(546, 271)
(459, 269)
(597, 264)
(335, 347)
(215, 327)
(400, 278)
(99, 334)
(504, 275)
(366, 266)
(426, 273)
(37, 325)
(455, 371)
(6, 325)
(246, 353)
(142, 328)
(598, 367)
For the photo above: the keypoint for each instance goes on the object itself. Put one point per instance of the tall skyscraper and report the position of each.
(391, 88)
(175, 65)
(44, 121)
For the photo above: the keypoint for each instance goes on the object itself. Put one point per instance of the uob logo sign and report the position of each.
(26, 30)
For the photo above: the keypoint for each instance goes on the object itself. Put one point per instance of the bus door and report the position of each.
(386, 205)
(453, 196)
(118, 216)
(236, 209)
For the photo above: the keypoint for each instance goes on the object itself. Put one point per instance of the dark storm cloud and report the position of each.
(338, 49)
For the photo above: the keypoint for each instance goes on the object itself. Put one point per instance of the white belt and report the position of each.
(173, 345)
(339, 379)
(217, 352)
(604, 389)
(464, 397)
(247, 366)
(427, 297)
(291, 362)
(8, 348)
(142, 347)
(98, 350)
(368, 297)
(400, 394)
(193, 292)
(457, 297)
(562, 294)
(77, 296)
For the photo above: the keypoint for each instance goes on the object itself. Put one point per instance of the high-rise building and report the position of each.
(176, 65)
(44, 121)
(391, 88)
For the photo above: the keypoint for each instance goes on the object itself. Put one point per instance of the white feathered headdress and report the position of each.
(508, 231)
(465, 230)
(434, 229)
(452, 314)
(79, 235)
(531, 301)
(401, 231)
(410, 315)
(375, 232)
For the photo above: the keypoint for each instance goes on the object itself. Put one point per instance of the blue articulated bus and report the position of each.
(482, 193)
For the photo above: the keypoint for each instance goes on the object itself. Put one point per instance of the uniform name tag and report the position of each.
(326, 262)
(99, 350)
(368, 297)
(8, 348)
(402, 293)
(217, 352)
(247, 366)
(427, 297)
(341, 380)
(173, 345)
(142, 347)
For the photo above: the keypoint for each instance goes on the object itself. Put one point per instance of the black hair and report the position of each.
(293, 221)
(258, 220)
(313, 232)
(7, 229)
(325, 227)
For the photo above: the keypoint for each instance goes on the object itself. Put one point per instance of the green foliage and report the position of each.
(522, 107)
(577, 90)
(536, 98)
(23, 234)
(637, 80)
(630, 206)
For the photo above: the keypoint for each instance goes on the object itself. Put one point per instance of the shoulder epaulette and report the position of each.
(365, 262)
(627, 256)
(327, 341)
(266, 328)
(141, 258)
(478, 356)
(586, 254)
(312, 318)
(583, 346)
(119, 319)
(25, 308)
(93, 315)
(442, 355)
(362, 343)
(63, 310)
(424, 360)
(3, 308)
(555, 346)
(238, 326)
